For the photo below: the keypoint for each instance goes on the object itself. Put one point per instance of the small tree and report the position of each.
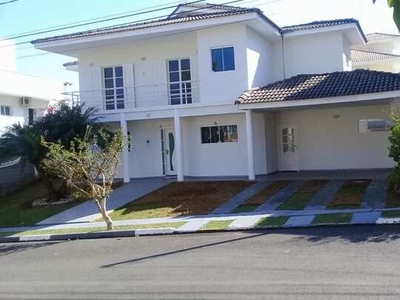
(394, 150)
(90, 165)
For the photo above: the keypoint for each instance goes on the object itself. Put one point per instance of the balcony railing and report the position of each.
(140, 96)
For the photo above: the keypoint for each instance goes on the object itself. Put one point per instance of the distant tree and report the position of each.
(396, 11)
(394, 151)
(90, 165)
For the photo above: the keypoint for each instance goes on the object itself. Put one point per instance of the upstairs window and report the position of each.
(223, 59)
(114, 88)
(372, 125)
(5, 110)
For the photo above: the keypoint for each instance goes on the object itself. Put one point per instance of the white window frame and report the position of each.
(223, 63)
(363, 128)
(219, 137)
(3, 110)
(116, 100)
(184, 95)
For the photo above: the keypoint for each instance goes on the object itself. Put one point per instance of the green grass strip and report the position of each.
(174, 225)
(332, 218)
(272, 221)
(391, 214)
(216, 225)
(244, 208)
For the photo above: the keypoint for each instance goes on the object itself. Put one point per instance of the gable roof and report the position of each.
(378, 36)
(144, 25)
(315, 86)
(359, 55)
(205, 5)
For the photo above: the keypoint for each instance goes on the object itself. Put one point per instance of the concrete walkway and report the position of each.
(324, 196)
(88, 210)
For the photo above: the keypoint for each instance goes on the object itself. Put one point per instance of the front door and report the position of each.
(288, 148)
(170, 153)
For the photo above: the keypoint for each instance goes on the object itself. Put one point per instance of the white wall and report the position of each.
(19, 113)
(318, 53)
(271, 146)
(259, 135)
(227, 86)
(326, 141)
(259, 59)
(346, 54)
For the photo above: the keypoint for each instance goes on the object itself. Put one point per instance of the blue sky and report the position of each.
(28, 15)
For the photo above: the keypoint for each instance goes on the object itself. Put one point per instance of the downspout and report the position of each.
(283, 56)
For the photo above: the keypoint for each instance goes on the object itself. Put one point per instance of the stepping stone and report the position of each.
(300, 221)
(240, 198)
(246, 222)
(324, 196)
(362, 218)
(375, 195)
(193, 225)
(280, 197)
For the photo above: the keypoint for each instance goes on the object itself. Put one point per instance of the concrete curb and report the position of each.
(165, 231)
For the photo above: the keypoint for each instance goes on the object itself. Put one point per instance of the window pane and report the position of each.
(173, 76)
(173, 65)
(119, 82)
(174, 88)
(214, 134)
(118, 72)
(234, 136)
(2, 110)
(109, 94)
(109, 83)
(373, 125)
(377, 125)
(120, 93)
(285, 131)
(185, 64)
(229, 59)
(205, 135)
(110, 105)
(185, 75)
(285, 148)
(120, 104)
(108, 73)
(223, 134)
(217, 65)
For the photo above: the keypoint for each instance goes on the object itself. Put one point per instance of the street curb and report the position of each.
(164, 231)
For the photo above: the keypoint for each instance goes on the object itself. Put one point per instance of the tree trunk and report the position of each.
(103, 211)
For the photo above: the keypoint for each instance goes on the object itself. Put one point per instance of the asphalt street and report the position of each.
(359, 262)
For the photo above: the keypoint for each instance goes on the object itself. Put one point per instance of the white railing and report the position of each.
(140, 96)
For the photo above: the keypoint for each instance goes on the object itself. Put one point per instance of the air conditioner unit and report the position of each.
(24, 101)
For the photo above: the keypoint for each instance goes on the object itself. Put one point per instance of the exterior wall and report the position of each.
(19, 113)
(144, 63)
(318, 53)
(222, 87)
(329, 138)
(15, 176)
(217, 159)
(259, 59)
(346, 54)
(271, 146)
(384, 67)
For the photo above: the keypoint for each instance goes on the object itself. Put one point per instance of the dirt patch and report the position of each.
(266, 193)
(392, 198)
(350, 194)
(182, 198)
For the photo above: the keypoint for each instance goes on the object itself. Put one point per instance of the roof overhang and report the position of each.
(72, 46)
(383, 61)
(361, 98)
(352, 32)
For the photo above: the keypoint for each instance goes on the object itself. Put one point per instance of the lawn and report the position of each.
(96, 229)
(332, 219)
(262, 196)
(391, 214)
(181, 198)
(16, 209)
(392, 198)
(272, 221)
(216, 225)
(350, 194)
(303, 195)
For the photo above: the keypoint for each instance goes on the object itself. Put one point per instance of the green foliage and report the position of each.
(394, 150)
(89, 167)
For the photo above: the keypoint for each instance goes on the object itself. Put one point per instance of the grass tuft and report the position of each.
(391, 214)
(332, 218)
(216, 225)
(350, 194)
(272, 221)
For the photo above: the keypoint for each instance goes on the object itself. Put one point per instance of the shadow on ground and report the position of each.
(6, 249)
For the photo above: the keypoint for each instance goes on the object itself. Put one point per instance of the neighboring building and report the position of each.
(216, 90)
(380, 53)
(23, 97)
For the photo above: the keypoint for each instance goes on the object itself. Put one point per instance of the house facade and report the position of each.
(216, 90)
(23, 97)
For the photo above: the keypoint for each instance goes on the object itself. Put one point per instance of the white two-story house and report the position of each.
(216, 90)
(23, 97)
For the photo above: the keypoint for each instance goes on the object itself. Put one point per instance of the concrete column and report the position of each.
(125, 153)
(178, 145)
(250, 145)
